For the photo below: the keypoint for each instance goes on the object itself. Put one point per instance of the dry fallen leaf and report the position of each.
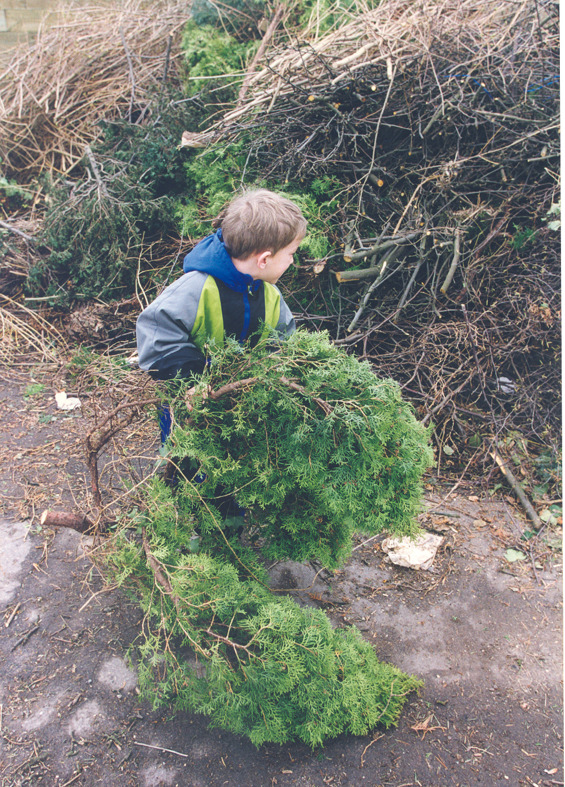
(418, 553)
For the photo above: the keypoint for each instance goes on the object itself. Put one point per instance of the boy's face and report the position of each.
(270, 267)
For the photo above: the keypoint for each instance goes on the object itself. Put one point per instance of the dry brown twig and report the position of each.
(278, 15)
(100, 435)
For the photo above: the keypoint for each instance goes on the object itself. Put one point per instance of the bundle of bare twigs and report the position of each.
(100, 62)
(388, 37)
(392, 36)
(17, 245)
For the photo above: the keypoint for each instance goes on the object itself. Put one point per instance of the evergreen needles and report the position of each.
(256, 664)
(315, 447)
(312, 445)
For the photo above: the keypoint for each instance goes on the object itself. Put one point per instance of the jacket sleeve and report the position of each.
(286, 324)
(164, 341)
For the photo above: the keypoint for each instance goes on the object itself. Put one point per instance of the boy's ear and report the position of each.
(263, 258)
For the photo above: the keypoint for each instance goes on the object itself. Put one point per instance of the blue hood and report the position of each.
(211, 256)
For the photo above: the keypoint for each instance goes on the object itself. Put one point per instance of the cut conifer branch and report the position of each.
(290, 438)
(230, 649)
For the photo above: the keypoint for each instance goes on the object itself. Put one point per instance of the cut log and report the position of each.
(66, 519)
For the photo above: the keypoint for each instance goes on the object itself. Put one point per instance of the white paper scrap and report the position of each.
(415, 553)
(65, 402)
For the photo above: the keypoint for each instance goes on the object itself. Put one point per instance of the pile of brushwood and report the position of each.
(420, 139)
(315, 447)
(435, 128)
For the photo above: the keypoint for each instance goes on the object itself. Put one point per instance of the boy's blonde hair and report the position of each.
(258, 221)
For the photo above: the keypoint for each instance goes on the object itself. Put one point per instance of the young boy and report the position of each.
(228, 287)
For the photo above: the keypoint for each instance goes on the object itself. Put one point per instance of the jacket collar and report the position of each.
(211, 256)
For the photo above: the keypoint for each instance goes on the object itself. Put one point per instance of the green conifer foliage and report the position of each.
(315, 447)
(255, 663)
(215, 62)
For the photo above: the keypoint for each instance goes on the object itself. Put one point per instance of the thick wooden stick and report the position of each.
(379, 246)
(454, 261)
(231, 387)
(528, 507)
(259, 54)
(356, 274)
(66, 519)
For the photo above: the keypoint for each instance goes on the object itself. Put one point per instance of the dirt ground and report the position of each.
(484, 633)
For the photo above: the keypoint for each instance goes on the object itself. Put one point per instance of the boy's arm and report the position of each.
(164, 340)
(286, 324)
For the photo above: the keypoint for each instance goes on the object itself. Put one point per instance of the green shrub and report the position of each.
(96, 240)
(233, 15)
(211, 179)
(255, 664)
(316, 448)
(13, 196)
(150, 152)
(99, 226)
(214, 176)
